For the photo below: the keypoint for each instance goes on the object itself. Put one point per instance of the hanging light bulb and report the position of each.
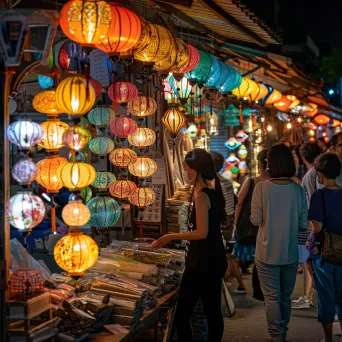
(269, 128)
(289, 125)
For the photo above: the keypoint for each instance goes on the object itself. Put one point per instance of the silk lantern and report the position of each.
(200, 74)
(75, 214)
(193, 60)
(142, 197)
(275, 96)
(101, 145)
(103, 180)
(123, 157)
(45, 102)
(174, 121)
(101, 116)
(233, 80)
(24, 171)
(53, 130)
(182, 89)
(75, 137)
(123, 126)
(142, 106)
(257, 94)
(45, 82)
(122, 188)
(143, 167)
(122, 92)
(321, 119)
(96, 85)
(142, 137)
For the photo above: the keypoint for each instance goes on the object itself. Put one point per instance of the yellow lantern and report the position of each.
(76, 137)
(142, 137)
(257, 94)
(246, 87)
(53, 130)
(75, 253)
(143, 167)
(75, 95)
(45, 102)
(142, 197)
(174, 121)
(76, 214)
(122, 157)
(275, 96)
(76, 175)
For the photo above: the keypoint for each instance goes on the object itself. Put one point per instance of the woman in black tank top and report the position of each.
(205, 261)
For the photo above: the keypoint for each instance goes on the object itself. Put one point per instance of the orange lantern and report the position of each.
(53, 130)
(142, 137)
(142, 197)
(174, 121)
(283, 104)
(335, 123)
(45, 102)
(312, 113)
(258, 93)
(122, 188)
(143, 167)
(123, 157)
(142, 106)
(294, 101)
(321, 119)
(274, 97)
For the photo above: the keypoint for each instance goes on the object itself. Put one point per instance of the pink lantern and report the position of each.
(123, 126)
(193, 60)
(123, 92)
(96, 85)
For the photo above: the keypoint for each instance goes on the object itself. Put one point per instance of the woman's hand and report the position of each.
(165, 239)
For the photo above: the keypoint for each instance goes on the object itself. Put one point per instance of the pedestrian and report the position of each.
(300, 166)
(324, 214)
(279, 208)
(206, 261)
(323, 145)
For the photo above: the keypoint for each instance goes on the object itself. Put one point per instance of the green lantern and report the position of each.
(103, 180)
(101, 145)
(101, 116)
(201, 73)
(86, 193)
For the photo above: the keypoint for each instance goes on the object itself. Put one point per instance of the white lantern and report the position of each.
(24, 171)
(24, 133)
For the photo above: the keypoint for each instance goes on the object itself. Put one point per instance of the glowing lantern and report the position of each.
(123, 157)
(142, 106)
(24, 133)
(101, 145)
(321, 119)
(193, 61)
(103, 180)
(257, 94)
(335, 123)
(182, 88)
(286, 102)
(232, 144)
(122, 188)
(192, 131)
(242, 152)
(105, 211)
(75, 175)
(86, 193)
(142, 137)
(123, 92)
(241, 136)
(142, 197)
(201, 73)
(294, 101)
(143, 167)
(123, 126)
(96, 85)
(275, 96)
(75, 214)
(45, 82)
(101, 116)
(45, 102)
(75, 137)
(212, 124)
(246, 87)
(313, 112)
(75, 253)
(242, 167)
(24, 171)
(75, 95)
(53, 134)
(25, 211)
(174, 121)
(218, 73)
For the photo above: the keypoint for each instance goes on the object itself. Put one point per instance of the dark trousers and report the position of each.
(206, 286)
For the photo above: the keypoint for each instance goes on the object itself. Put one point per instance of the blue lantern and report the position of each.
(215, 72)
(45, 82)
(232, 81)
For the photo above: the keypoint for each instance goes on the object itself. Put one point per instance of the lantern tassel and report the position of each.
(241, 113)
(53, 216)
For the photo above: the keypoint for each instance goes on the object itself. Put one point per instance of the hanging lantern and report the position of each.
(174, 121)
(63, 57)
(96, 85)
(104, 210)
(142, 137)
(182, 59)
(122, 188)
(75, 95)
(212, 124)
(79, 156)
(218, 73)
(75, 137)
(123, 126)
(24, 171)
(321, 119)
(232, 144)
(182, 88)
(335, 123)
(123, 157)
(192, 131)
(257, 94)
(194, 58)
(75, 175)
(87, 22)
(142, 106)
(314, 111)
(75, 253)
(242, 167)
(283, 104)
(283, 116)
(246, 87)
(172, 100)
(242, 152)
(103, 180)
(101, 116)
(53, 130)
(201, 73)
(75, 214)
(75, 55)
(101, 145)
(25, 210)
(231, 161)
(123, 92)
(45, 102)
(45, 82)
(142, 197)
(86, 193)
(24, 133)
(241, 136)
(233, 81)
(294, 101)
(143, 167)
(274, 97)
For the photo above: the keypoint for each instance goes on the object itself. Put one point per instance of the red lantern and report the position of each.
(63, 57)
(122, 188)
(193, 60)
(122, 92)
(123, 126)
(96, 85)
(123, 157)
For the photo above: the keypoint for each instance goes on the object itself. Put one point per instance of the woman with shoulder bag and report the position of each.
(326, 219)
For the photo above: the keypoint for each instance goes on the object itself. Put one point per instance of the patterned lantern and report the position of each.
(142, 106)
(105, 211)
(142, 197)
(101, 116)
(86, 22)
(321, 119)
(125, 33)
(45, 82)
(103, 180)
(75, 137)
(45, 102)
(219, 72)
(25, 211)
(142, 137)
(143, 167)
(75, 176)
(24, 171)
(122, 188)
(96, 85)
(123, 92)
(63, 57)
(123, 126)
(75, 214)
(24, 133)
(173, 120)
(246, 87)
(101, 145)
(182, 88)
(242, 152)
(53, 130)
(75, 96)
(193, 61)
(123, 157)
(201, 73)
(257, 94)
(241, 136)
(75, 253)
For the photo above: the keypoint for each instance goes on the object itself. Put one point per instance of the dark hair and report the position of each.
(321, 139)
(329, 165)
(335, 138)
(310, 151)
(280, 162)
(218, 160)
(297, 151)
(262, 157)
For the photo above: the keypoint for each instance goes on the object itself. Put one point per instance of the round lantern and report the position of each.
(123, 92)
(174, 121)
(45, 102)
(45, 82)
(246, 87)
(321, 119)
(75, 176)
(75, 253)
(122, 188)
(104, 210)
(101, 116)
(232, 81)
(53, 134)
(142, 137)
(25, 211)
(25, 284)
(142, 197)
(201, 73)
(63, 57)
(75, 214)
(24, 171)
(75, 95)
(123, 157)
(232, 144)
(101, 145)
(125, 33)
(143, 167)
(123, 126)
(86, 193)
(257, 94)
(219, 72)
(142, 106)
(24, 133)
(193, 60)
(86, 22)
(103, 180)
(182, 88)
(75, 137)
(96, 85)
(283, 104)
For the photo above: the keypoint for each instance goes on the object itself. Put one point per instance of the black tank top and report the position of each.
(207, 254)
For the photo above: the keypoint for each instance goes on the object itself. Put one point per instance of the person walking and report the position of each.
(205, 261)
(279, 208)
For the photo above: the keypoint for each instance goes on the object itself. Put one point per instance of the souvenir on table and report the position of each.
(232, 144)
(242, 152)
(231, 161)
